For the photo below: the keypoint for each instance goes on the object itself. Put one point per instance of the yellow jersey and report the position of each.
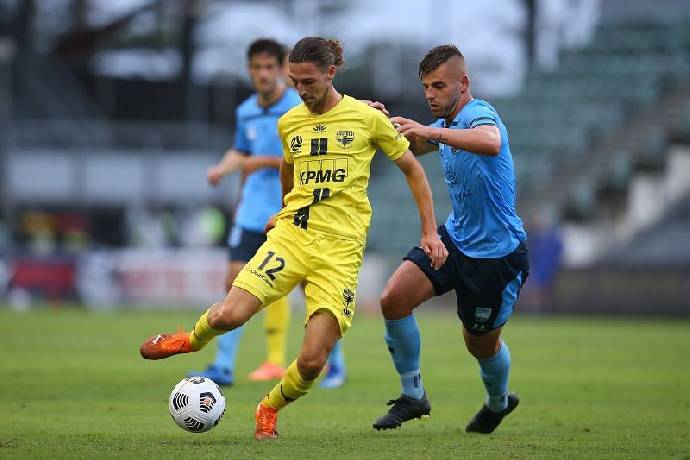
(332, 154)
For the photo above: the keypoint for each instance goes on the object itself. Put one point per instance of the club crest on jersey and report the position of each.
(482, 314)
(296, 144)
(319, 128)
(344, 138)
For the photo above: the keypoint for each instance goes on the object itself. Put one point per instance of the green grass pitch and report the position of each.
(73, 386)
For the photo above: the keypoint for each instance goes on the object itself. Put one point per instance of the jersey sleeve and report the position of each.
(287, 154)
(384, 135)
(241, 142)
(480, 115)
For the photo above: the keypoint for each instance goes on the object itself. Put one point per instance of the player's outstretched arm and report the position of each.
(231, 161)
(419, 186)
(254, 163)
(419, 145)
(482, 140)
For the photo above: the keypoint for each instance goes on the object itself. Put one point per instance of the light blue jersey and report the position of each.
(484, 222)
(256, 134)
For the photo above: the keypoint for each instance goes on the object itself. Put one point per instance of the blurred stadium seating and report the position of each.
(112, 124)
(614, 105)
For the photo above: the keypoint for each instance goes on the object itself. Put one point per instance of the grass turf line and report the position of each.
(73, 385)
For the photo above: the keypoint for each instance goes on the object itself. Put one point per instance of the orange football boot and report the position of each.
(266, 421)
(163, 346)
(267, 371)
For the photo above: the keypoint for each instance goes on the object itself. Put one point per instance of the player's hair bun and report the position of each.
(338, 59)
(318, 50)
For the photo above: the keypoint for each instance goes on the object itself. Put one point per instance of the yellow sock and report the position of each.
(202, 332)
(276, 322)
(291, 387)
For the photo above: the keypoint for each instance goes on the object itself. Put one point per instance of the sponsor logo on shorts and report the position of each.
(482, 314)
(261, 275)
(348, 298)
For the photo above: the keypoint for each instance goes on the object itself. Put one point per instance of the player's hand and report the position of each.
(214, 174)
(434, 249)
(376, 105)
(270, 224)
(411, 129)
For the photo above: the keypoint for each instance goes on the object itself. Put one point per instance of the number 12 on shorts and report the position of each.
(272, 271)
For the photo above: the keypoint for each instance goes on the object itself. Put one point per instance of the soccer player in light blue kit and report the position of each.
(487, 263)
(257, 153)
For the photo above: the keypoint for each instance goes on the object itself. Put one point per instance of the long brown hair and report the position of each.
(317, 50)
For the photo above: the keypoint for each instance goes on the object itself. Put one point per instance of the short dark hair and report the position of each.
(267, 46)
(437, 56)
(317, 50)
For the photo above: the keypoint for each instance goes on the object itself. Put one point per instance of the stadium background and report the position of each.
(111, 111)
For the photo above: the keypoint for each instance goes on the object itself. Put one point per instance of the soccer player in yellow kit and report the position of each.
(318, 237)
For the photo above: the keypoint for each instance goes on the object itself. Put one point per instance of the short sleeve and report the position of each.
(241, 141)
(384, 135)
(480, 115)
(287, 153)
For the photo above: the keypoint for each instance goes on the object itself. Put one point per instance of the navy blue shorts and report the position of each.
(243, 244)
(486, 289)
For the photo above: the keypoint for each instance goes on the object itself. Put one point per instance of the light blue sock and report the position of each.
(336, 360)
(494, 372)
(228, 344)
(404, 344)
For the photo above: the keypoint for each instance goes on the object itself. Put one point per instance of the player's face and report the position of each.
(443, 89)
(265, 72)
(312, 83)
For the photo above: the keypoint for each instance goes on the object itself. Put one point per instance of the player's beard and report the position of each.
(451, 108)
(316, 102)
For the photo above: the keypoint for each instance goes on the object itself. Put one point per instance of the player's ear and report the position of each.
(330, 73)
(464, 83)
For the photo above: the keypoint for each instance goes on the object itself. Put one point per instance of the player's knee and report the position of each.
(223, 317)
(392, 305)
(310, 365)
(481, 346)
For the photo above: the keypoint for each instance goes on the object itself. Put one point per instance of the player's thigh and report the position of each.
(489, 289)
(331, 284)
(406, 289)
(321, 333)
(278, 265)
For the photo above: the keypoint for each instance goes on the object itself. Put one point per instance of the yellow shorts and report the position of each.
(329, 265)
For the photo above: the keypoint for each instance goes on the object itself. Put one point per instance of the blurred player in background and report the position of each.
(257, 153)
(484, 236)
(318, 237)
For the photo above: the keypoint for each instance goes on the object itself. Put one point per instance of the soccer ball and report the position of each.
(197, 404)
